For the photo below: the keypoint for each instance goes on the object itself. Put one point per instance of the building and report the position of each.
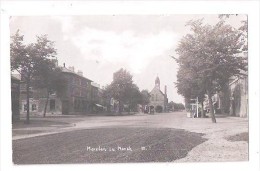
(37, 101)
(15, 94)
(239, 97)
(76, 96)
(158, 99)
(98, 103)
(238, 87)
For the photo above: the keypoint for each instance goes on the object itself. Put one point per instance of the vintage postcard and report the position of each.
(130, 86)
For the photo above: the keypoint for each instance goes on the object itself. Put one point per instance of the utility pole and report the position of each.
(197, 105)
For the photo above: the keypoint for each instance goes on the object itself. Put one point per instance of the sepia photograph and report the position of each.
(129, 88)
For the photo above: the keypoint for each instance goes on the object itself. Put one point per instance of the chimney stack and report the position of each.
(80, 73)
(71, 68)
(64, 65)
(165, 90)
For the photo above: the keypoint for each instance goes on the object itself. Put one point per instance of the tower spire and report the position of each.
(157, 82)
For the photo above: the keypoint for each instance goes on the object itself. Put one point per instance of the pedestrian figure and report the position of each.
(215, 107)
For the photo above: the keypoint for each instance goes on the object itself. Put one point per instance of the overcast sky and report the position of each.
(101, 45)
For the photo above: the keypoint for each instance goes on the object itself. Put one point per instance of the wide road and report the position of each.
(113, 139)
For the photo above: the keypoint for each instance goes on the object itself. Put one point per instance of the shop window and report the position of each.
(34, 107)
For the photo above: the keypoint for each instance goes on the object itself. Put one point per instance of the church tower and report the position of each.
(157, 83)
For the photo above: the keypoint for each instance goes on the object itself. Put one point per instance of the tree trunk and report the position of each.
(46, 104)
(119, 107)
(211, 107)
(28, 100)
(202, 110)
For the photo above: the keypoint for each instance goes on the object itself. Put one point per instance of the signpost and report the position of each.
(197, 106)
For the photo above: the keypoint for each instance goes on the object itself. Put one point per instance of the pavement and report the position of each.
(216, 148)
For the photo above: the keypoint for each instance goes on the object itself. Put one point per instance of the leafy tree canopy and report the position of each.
(30, 60)
(123, 89)
(208, 57)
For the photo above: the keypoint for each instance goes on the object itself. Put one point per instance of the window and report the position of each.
(34, 107)
(25, 107)
(75, 104)
(52, 104)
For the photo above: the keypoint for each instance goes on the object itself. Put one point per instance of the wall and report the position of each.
(239, 97)
(15, 94)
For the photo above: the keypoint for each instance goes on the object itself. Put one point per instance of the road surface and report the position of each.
(164, 137)
(110, 139)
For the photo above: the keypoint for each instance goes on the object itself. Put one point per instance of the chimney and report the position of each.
(165, 91)
(71, 68)
(64, 65)
(80, 73)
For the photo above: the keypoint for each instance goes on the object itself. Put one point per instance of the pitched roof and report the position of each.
(66, 70)
(158, 90)
(14, 78)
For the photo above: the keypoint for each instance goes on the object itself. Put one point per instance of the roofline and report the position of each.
(77, 75)
(13, 77)
(159, 91)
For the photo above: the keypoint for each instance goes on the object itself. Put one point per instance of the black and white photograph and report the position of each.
(129, 88)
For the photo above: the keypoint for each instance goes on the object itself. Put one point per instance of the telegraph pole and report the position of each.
(197, 105)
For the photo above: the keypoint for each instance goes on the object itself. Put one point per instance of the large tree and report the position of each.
(28, 58)
(145, 97)
(122, 88)
(133, 97)
(190, 87)
(211, 55)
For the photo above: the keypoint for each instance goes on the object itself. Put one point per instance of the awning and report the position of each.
(99, 105)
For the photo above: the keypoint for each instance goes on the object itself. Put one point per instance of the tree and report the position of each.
(210, 56)
(122, 88)
(189, 87)
(145, 97)
(133, 97)
(180, 106)
(243, 29)
(50, 79)
(171, 106)
(175, 106)
(27, 59)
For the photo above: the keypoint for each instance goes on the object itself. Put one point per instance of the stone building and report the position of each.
(158, 99)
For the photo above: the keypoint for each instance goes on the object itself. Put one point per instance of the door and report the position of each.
(65, 107)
